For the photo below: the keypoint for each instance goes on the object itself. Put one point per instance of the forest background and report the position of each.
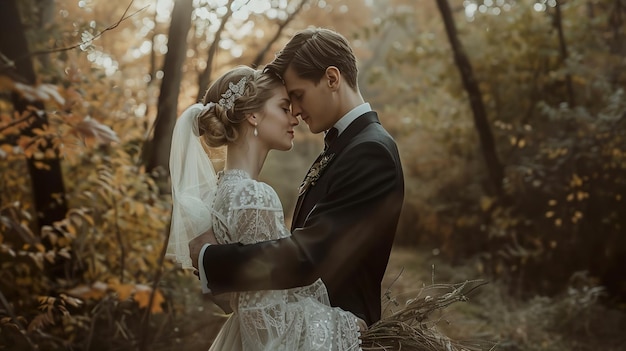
(510, 118)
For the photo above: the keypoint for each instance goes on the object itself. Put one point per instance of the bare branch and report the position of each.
(96, 36)
(259, 58)
(18, 121)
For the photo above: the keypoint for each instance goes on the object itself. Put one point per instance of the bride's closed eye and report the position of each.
(286, 107)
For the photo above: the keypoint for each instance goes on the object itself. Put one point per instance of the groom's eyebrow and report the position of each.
(291, 93)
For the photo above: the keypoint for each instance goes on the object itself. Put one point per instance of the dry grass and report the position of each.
(574, 321)
(412, 326)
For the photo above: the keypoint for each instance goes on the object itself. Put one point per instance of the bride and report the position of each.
(249, 112)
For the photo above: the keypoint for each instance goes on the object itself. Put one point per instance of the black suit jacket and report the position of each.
(343, 228)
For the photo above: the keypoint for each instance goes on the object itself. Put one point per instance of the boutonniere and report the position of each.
(314, 173)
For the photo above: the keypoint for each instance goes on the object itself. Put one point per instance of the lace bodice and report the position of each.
(249, 211)
(245, 210)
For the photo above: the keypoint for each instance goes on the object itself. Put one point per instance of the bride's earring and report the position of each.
(256, 132)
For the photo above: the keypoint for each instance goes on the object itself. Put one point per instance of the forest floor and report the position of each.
(492, 317)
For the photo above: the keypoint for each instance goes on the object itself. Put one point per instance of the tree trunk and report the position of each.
(45, 174)
(616, 22)
(205, 77)
(558, 23)
(494, 167)
(159, 153)
(152, 69)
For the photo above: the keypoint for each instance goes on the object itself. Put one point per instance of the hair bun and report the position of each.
(214, 126)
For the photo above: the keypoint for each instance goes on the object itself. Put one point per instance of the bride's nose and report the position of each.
(294, 120)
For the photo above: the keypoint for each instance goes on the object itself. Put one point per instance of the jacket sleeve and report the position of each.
(342, 228)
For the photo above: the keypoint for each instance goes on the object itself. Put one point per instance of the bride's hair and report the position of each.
(219, 125)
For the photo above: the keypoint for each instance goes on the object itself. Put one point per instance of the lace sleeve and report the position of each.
(257, 214)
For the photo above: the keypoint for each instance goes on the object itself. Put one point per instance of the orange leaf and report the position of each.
(142, 297)
(123, 290)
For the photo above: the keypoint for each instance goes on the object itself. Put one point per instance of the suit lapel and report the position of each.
(333, 149)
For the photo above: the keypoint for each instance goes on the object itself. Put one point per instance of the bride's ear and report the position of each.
(252, 119)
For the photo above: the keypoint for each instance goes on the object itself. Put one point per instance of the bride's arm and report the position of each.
(255, 215)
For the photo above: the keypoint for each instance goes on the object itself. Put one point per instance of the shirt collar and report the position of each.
(349, 117)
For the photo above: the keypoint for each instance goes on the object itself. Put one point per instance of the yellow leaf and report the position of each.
(123, 290)
(576, 181)
(486, 202)
(6, 148)
(140, 209)
(42, 165)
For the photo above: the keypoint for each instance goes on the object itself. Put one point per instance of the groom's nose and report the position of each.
(295, 109)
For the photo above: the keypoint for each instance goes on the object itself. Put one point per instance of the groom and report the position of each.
(347, 211)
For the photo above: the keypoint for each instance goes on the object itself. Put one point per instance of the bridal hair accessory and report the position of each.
(193, 185)
(233, 92)
(314, 173)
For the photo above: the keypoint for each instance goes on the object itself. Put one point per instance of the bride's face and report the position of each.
(276, 123)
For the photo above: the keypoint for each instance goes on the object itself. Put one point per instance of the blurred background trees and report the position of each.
(89, 93)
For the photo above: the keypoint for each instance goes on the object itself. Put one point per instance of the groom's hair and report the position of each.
(311, 51)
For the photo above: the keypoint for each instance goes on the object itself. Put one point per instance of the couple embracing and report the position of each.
(316, 286)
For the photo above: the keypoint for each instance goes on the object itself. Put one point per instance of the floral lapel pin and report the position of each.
(314, 173)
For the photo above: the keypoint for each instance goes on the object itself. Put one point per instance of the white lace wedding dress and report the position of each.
(249, 211)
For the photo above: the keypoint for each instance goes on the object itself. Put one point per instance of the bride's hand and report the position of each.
(222, 301)
(196, 244)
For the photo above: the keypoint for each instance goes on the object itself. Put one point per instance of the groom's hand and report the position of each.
(195, 245)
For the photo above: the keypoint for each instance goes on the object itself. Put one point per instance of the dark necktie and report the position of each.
(330, 136)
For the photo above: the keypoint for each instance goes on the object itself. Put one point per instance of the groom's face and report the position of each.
(313, 102)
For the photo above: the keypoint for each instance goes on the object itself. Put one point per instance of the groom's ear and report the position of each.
(332, 77)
